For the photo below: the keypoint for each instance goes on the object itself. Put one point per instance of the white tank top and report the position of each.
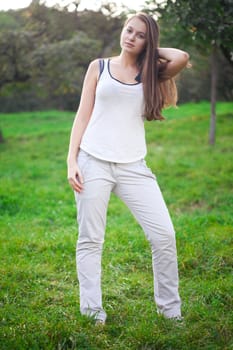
(116, 131)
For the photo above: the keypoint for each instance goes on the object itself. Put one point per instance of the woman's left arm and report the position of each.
(176, 60)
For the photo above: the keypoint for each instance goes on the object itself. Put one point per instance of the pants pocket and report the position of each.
(83, 159)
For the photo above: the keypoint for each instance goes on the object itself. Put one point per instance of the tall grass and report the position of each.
(39, 304)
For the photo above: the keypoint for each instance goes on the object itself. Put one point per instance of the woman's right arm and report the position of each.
(80, 123)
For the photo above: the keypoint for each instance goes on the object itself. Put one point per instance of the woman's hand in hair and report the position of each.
(176, 60)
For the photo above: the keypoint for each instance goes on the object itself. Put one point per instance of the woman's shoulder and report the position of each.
(95, 64)
(97, 60)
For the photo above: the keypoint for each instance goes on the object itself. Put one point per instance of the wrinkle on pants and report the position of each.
(136, 186)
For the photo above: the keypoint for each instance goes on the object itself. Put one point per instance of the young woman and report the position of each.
(106, 154)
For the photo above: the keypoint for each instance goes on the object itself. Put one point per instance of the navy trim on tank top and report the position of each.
(101, 66)
(121, 82)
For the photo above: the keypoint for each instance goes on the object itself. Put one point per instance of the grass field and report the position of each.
(39, 304)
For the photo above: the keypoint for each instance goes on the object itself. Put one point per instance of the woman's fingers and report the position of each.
(75, 180)
(76, 185)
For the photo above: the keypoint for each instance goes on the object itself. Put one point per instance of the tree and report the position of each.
(60, 67)
(208, 25)
(44, 53)
(15, 47)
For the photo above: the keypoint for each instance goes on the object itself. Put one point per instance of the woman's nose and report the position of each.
(132, 37)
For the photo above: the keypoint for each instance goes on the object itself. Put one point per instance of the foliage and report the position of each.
(194, 26)
(39, 291)
(194, 83)
(14, 49)
(8, 21)
(32, 78)
(207, 22)
(209, 25)
(49, 52)
(64, 81)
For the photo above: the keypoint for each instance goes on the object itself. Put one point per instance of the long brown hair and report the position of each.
(159, 90)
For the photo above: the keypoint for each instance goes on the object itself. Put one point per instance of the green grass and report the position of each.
(39, 304)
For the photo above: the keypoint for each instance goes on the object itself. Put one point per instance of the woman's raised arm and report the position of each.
(176, 60)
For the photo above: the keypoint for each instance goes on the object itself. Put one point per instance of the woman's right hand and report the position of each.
(74, 177)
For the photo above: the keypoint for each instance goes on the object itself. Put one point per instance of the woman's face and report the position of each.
(133, 36)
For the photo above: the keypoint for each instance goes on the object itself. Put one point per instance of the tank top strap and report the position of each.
(101, 66)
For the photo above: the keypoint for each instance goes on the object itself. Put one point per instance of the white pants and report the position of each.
(137, 187)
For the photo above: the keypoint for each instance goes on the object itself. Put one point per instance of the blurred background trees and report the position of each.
(207, 26)
(44, 51)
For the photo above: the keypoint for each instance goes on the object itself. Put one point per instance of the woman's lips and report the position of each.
(129, 44)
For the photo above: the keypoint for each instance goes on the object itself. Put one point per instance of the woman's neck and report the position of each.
(127, 60)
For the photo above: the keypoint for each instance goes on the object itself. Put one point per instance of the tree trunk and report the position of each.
(213, 94)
